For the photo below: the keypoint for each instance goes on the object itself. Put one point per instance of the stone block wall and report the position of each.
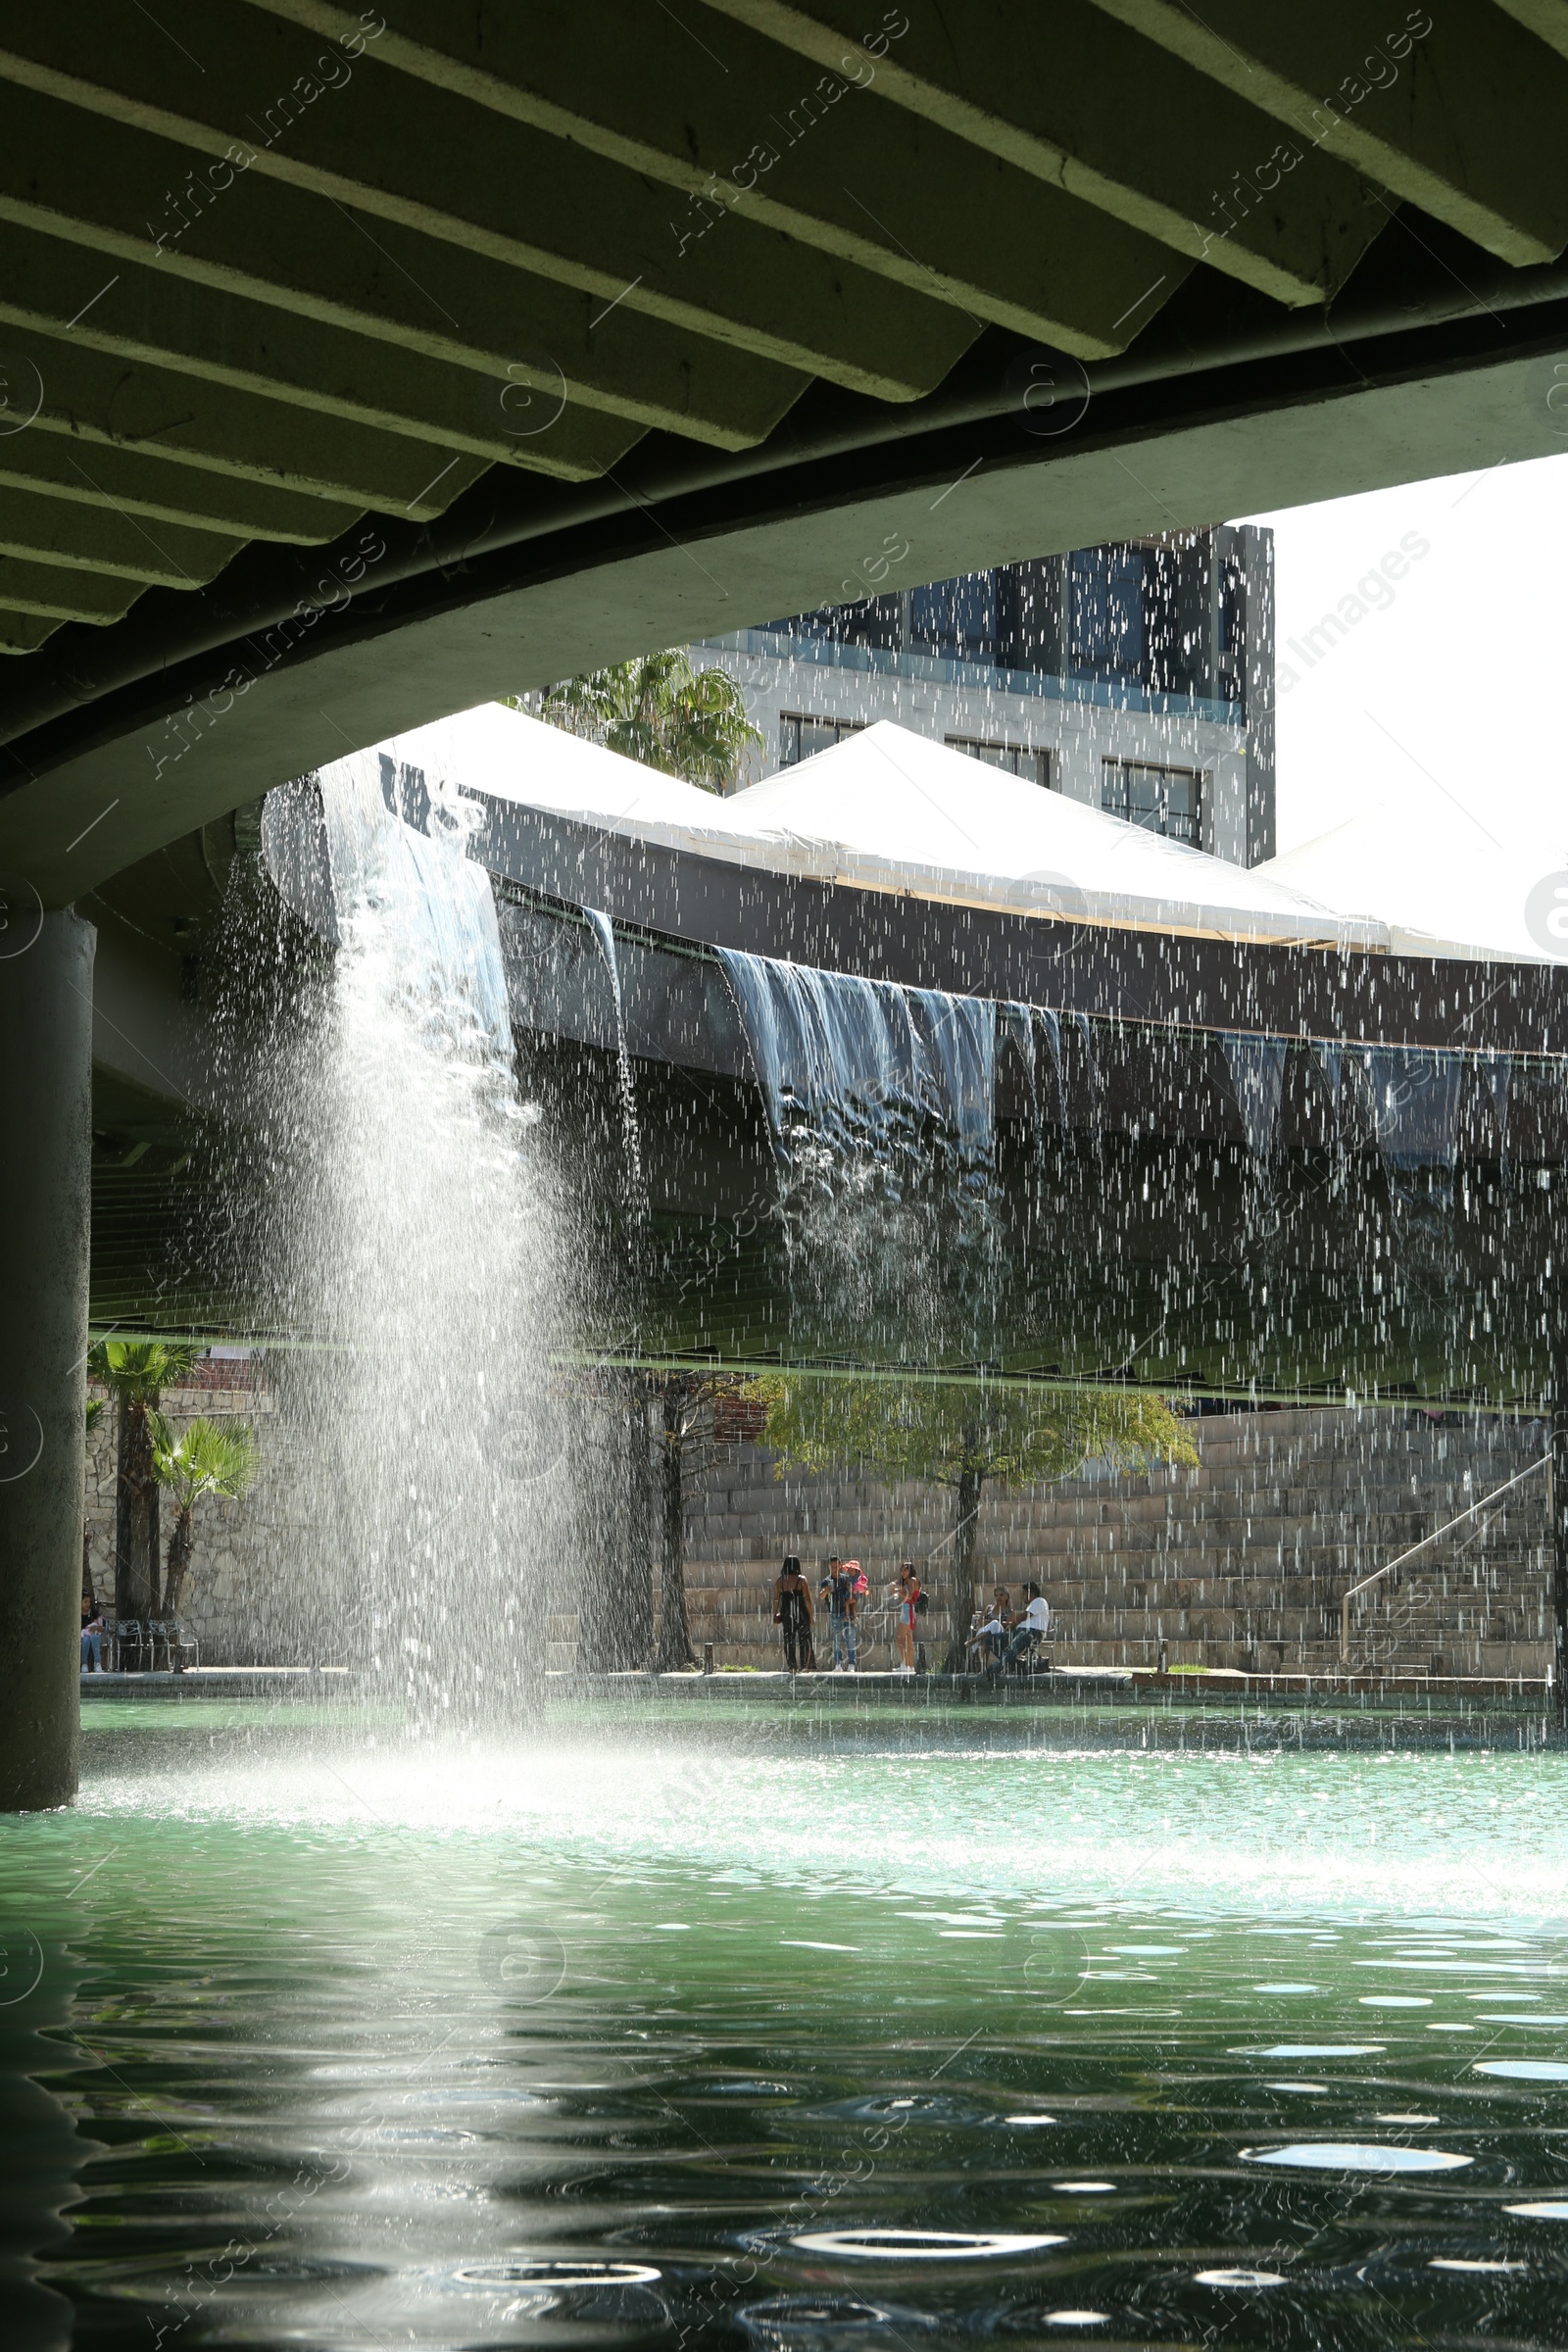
(228, 1601)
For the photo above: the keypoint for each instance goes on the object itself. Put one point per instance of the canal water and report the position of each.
(708, 2034)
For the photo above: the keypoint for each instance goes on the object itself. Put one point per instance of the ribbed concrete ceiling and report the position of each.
(274, 266)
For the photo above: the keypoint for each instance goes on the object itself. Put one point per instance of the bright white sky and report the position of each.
(1451, 696)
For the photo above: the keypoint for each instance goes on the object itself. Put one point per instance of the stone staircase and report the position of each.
(1240, 1563)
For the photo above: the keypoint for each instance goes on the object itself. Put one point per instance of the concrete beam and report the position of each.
(672, 570)
(55, 592)
(319, 265)
(530, 202)
(1547, 20)
(1080, 102)
(94, 397)
(740, 128)
(138, 481)
(97, 539)
(144, 314)
(24, 632)
(1461, 110)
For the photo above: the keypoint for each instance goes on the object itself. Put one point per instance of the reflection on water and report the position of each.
(747, 2043)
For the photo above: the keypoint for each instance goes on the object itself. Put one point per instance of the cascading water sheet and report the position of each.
(418, 1246)
(1257, 1077)
(600, 925)
(437, 903)
(854, 1069)
(1416, 1099)
(881, 1103)
(338, 847)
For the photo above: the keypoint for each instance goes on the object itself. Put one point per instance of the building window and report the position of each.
(956, 619)
(1163, 799)
(801, 736)
(1231, 681)
(1018, 758)
(1105, 617)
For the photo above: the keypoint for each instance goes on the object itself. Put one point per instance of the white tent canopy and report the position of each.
(1444, 884)
(889, 810)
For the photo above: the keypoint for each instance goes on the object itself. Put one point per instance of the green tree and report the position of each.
(669, 1425)
(658, 709)
(209, 1458)
(682, 1425)
(135, 1373)
(959, 1434)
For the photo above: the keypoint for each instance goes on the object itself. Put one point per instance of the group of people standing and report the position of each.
(844, 1586)
(999, 1636)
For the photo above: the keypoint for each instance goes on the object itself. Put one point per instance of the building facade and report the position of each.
(1136, 677)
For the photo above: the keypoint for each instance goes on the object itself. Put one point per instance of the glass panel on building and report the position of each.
(1108, 613)
(801, 736)
(1018, 758)
(1163, 799)
(956, 619)
(1231, 668)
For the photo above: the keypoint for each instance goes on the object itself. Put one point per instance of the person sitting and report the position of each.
(1028, 1627)
(987, 1629)
(995, 1630)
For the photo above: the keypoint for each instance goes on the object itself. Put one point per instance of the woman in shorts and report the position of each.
(906, 1599)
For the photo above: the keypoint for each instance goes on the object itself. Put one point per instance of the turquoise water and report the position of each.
(727, 2038)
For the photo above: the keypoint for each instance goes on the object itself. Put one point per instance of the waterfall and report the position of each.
(602, 930)
(864, 1070)
(419, 1248)
(1257, 1078)
(881, 1106)
(1496, 1070)
(435, 901)
(1084, 1094)
(338, 851)
(1051, 1024)
(1416, 1097)
(1015, 1026)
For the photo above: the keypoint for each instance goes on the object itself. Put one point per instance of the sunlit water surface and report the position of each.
(758, 2042)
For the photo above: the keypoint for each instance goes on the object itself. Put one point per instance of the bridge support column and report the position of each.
(45, 1167)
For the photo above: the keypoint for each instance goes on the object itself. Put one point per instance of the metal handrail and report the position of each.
(1438, 1532)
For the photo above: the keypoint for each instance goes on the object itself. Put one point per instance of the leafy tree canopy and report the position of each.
(658, 709)
(943, 1433)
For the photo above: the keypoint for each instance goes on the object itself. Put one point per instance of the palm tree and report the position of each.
(94, 1406)
(658, 709)
(136, 1372)
(208, 1460)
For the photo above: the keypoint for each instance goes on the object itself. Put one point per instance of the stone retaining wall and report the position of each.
(228, 1602)
(1242, 1562)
